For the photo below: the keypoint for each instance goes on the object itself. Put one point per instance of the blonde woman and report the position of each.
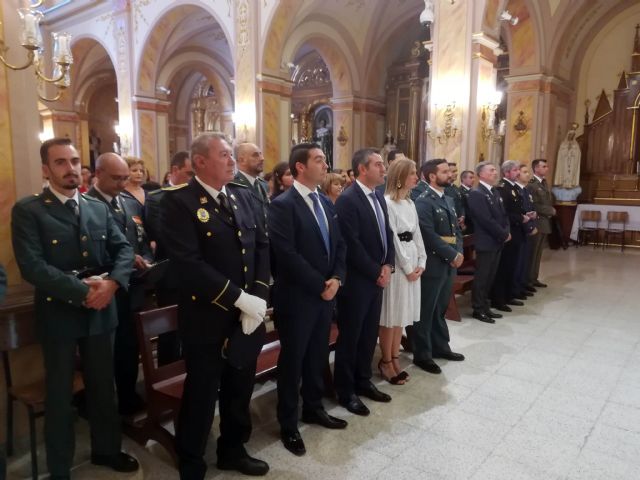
(137, 176)
(332, 186)
(401, 299)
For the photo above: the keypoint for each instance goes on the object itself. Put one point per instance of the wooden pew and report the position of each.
(164, 385)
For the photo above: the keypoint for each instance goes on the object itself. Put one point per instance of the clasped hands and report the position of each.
(415, 275)
(385, 276)
(101, 291)
(252, 311)
(331, 287)
(456, 262)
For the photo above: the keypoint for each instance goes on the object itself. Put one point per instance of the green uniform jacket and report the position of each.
(438, 219)
(453, 192)
(542, 203)
(49, 240)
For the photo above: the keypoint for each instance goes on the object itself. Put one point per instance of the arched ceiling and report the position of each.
(92, 69)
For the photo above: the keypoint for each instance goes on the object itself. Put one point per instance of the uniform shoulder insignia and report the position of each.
(155, 192)
(29, 199)
(236, 184)
(173, 187)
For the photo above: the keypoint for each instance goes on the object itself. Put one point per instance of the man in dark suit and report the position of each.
(112, 173)
(443, 243)
(543, 204)
(505, 290)
(421, 186)
(250, 163)
(308, 267)
(466, 184)
(364, 223)
(491, 226)
(220, 257)
(166, 288)
(56, 235)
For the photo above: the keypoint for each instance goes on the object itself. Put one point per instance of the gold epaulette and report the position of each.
(174, 187)
(449, 240)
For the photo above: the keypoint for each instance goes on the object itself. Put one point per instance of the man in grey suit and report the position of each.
(543, 205)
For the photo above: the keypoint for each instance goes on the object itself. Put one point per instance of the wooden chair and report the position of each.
(17, 330)
(163, 384)
(588, 225)
(616, 225)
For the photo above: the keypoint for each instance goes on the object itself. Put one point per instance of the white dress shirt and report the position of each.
(212, 191)
(63, 198)
(438, 192)
(304, 192)
(489, 187)
(252, 180)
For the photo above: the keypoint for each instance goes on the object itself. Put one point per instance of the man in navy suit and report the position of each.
(364, 222)
(491, 233)
(308, 265)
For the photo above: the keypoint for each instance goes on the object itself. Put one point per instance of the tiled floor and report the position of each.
(552, 391)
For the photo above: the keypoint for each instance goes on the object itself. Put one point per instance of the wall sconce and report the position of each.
(521, 126)
(244, 118)
(488, 120)
(31, 39)
(505, 16)
(450, 127)
(342, 136)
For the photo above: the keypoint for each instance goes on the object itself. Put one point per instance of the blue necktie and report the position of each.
(381, 226)
(317, 209)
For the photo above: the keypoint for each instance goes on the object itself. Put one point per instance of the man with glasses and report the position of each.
(112, 173)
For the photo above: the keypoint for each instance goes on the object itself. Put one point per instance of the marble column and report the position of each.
(152, 118)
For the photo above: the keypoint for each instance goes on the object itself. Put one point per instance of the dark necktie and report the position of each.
(317, 209)
(115, 204)
(224, 204)
(72, 205)
(381, 225)
(258, 189)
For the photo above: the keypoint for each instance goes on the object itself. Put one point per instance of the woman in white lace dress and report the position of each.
(401, 298)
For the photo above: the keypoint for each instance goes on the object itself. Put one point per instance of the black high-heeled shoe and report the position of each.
(403, 375)
(392, 380)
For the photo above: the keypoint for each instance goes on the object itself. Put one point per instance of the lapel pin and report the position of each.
(203, 200)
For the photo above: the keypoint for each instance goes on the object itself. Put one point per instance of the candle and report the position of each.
(30, 37)
(502, 129)
(62, 48)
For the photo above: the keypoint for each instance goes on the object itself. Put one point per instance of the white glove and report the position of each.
(249, 324)
(252, 305)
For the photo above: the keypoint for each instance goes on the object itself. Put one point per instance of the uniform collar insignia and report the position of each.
(203, 200)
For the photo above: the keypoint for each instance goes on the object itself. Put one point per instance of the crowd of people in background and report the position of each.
(374, 248)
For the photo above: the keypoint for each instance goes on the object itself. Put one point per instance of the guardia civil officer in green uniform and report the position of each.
(57, 234)
(112, 173)
(250, 163)
(219, 254)
(443, 242)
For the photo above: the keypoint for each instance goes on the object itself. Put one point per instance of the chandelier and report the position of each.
(31, 40)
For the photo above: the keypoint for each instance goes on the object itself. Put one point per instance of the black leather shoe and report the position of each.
(120, 462)
(491, 314)
(539, 284)
(531, 288)
(516, 303)
(321, 417)
(483, 317)
(451, 356)
(428, 366)
(520, 296)
(292, 441)
(355, 405)
(244, 464)
(502, 308)
(371, 392)
(527, 293)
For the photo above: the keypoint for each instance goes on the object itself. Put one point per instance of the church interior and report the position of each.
(552, 392)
